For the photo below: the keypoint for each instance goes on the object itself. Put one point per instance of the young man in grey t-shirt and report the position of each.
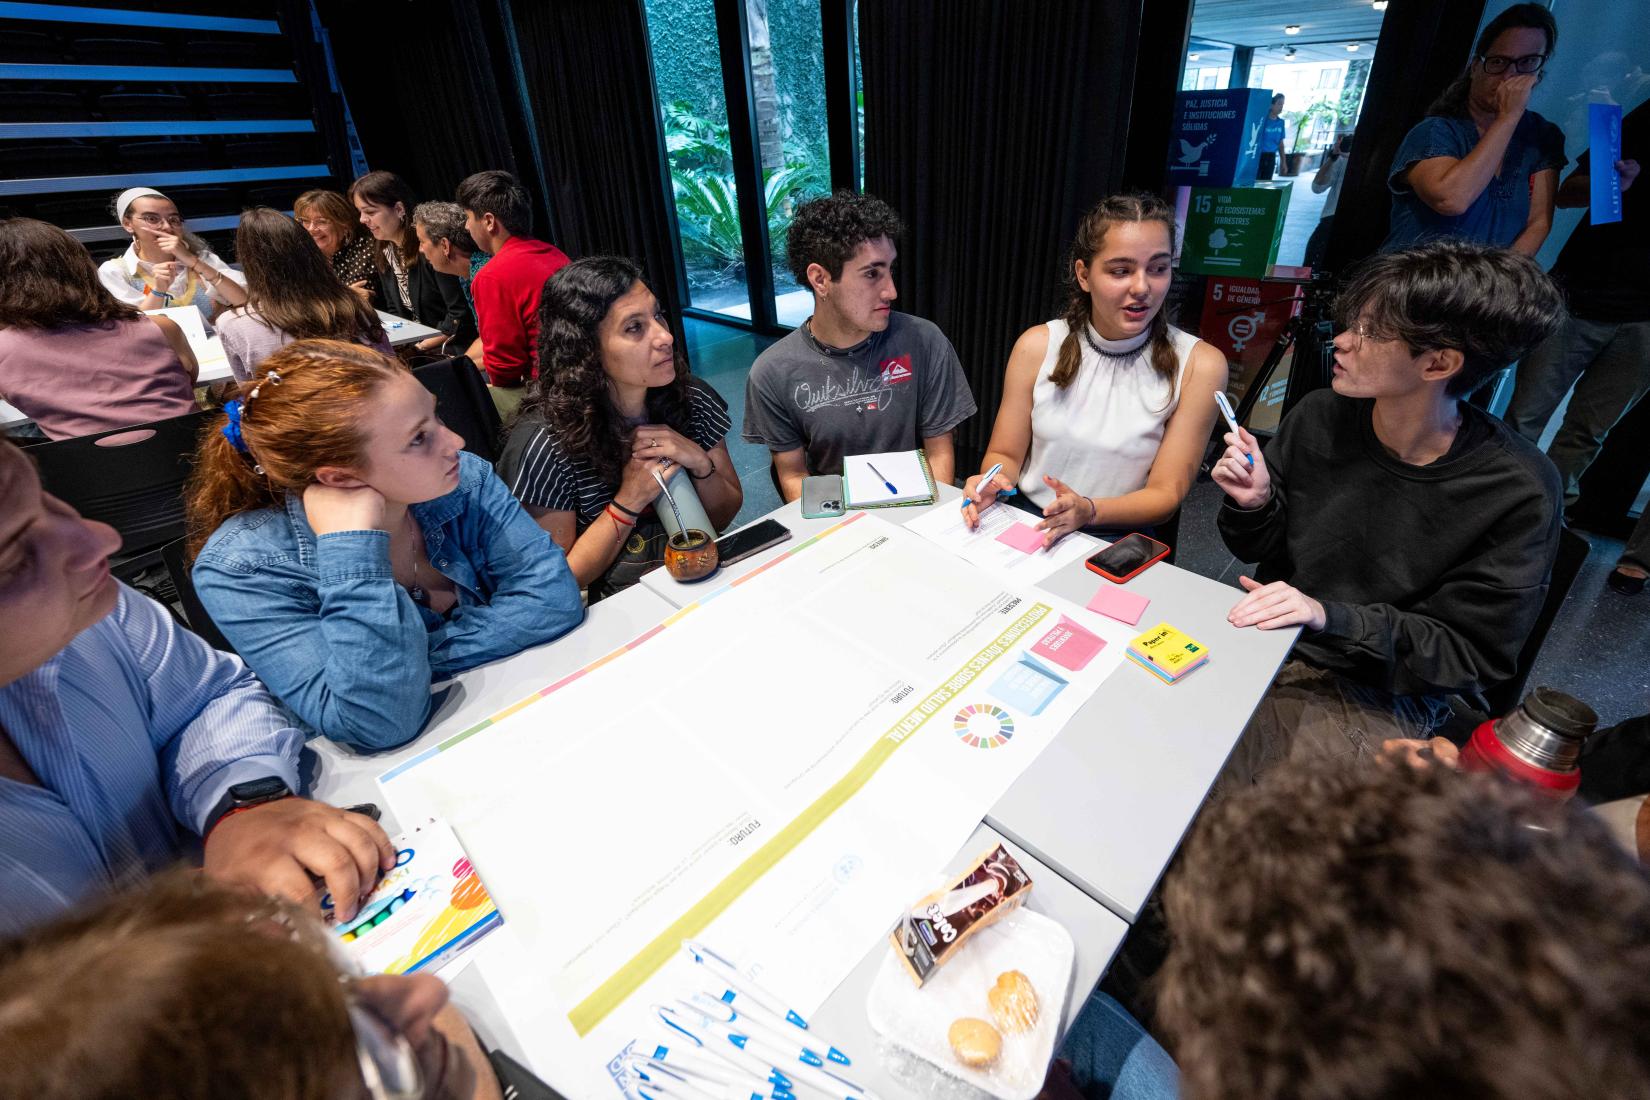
(855, 378)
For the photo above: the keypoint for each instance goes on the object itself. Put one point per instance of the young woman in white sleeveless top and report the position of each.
(1106, 411)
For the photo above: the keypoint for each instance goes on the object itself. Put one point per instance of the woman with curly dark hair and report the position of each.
(613, 403)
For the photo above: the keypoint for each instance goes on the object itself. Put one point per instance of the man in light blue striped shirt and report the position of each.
(121, 736)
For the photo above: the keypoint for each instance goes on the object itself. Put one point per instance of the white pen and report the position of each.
(721, 1048)
(673, 1081)
(1231, 422)
(658, 1085)
(740, 987)
(787, 1064)
(708, 1071)
(786, 1038)
(985, 479)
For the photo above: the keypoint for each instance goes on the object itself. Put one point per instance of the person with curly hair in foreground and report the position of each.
(856, 377)
(1346, 931)
(180, 988)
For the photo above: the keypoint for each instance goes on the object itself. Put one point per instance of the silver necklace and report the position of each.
(415, 590)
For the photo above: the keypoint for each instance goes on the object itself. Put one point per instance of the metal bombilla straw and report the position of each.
(670, 500)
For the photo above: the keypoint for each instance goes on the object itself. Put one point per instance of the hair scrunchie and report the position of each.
(232, 427)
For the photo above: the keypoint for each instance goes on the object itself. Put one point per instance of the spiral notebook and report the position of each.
(887, 480)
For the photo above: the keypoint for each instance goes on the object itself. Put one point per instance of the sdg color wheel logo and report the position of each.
(983, 725)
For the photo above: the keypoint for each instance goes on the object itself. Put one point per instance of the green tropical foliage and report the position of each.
(1304, 119)
(707, 203)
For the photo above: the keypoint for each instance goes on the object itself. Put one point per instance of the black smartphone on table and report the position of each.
(751, 540)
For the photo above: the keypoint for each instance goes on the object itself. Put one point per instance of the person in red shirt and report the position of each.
(506, 291)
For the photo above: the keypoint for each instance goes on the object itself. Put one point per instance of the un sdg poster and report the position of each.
(1216, 138)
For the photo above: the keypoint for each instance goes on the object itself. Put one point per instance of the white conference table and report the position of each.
(214, 364)
(342, 777)
(1108, 802)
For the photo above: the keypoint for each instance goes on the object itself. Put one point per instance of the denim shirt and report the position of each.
(323, 622)
(1498, 215)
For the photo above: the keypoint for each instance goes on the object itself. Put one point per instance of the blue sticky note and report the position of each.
(1028, 684)
(1603, 150)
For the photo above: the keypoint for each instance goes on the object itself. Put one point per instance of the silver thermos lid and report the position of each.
(1547, 729)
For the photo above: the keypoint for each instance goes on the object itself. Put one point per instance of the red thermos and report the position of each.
(1539, 743)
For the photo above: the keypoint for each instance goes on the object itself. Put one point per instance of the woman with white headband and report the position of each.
(167, 265)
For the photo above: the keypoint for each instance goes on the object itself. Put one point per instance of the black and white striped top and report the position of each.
(542, 474)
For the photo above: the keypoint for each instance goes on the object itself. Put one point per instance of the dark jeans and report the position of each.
(1112, 1057)
(1609, 365)
(1268, 166)
(1311, 712)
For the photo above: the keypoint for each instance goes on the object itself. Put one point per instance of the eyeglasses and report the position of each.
(314, 223)
(1361, 332)
(389, 1068)
(158, 219)
(1496, 64)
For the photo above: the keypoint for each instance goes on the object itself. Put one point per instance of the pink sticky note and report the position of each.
(1119, 604)
(1023, 537)
(1069, 645)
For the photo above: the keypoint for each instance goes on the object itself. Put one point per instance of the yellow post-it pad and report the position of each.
(1167, 651)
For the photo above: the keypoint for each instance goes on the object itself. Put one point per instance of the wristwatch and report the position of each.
(244, 796)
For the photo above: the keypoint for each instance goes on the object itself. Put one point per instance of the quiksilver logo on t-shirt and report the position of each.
(896, 370)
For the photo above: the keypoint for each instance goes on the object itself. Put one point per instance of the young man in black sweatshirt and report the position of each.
(1410, 533)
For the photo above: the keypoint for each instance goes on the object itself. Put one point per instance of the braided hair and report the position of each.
(1091, 238)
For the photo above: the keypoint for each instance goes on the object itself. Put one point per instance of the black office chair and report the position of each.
(130, 478)
(194, 612)
(463, 403)
(1572, 555)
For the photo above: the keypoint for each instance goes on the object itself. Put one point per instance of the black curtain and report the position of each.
(586, 66)
(991, 127)
(423, 90)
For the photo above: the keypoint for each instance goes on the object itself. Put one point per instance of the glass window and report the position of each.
(788, 78)
(687, 70)
(859, 99)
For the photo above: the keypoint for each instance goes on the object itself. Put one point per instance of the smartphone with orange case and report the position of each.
(1127, 557)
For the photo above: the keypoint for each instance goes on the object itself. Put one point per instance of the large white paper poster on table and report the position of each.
(991, 545)
(776, 769)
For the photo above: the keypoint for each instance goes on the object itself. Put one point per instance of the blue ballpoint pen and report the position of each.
(889, 485)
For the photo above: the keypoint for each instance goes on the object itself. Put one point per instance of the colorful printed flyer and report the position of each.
(426, 911)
